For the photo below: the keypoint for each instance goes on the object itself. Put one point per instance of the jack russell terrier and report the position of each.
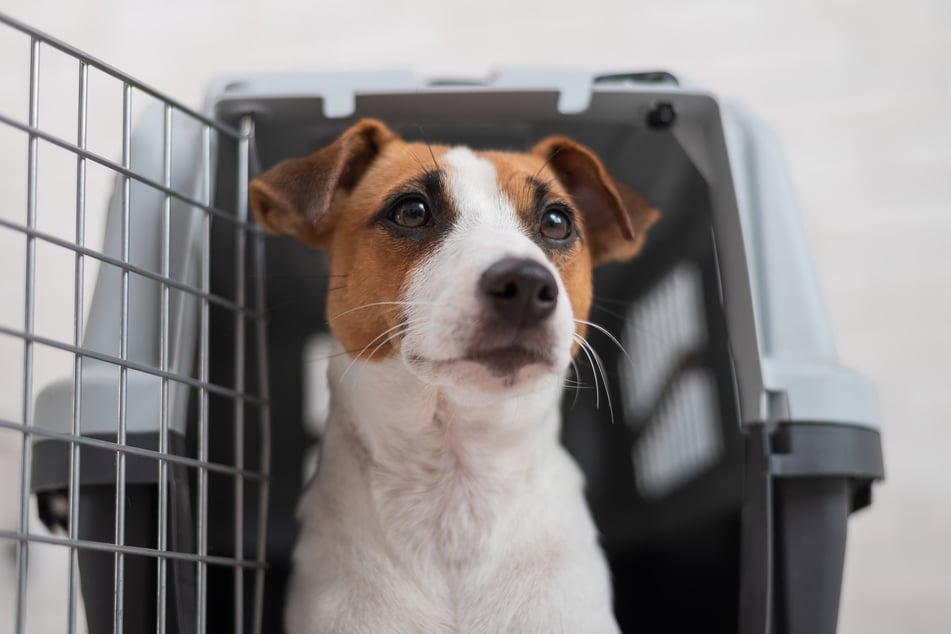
(443, 501)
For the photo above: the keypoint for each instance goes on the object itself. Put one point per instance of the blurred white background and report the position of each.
(859, 92)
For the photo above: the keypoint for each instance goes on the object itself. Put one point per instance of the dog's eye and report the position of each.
(410, 212)
(556, 225)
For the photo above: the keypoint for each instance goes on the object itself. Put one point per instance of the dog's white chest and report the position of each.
(444, 524)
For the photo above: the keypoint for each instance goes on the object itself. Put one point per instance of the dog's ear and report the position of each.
(294, 197)
(615, 217)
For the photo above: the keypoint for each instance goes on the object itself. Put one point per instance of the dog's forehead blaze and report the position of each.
(370, 268)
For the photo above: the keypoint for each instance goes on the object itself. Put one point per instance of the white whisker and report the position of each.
(583, 344)
(574, 368)
(609, 336)
(374, 340)
(597, 365)
(372, 304)
(604, 381)
(381, 344)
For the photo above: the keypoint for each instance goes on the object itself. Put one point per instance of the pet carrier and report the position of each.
(721, 475)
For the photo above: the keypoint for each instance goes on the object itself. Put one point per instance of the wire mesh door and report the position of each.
(143, 505)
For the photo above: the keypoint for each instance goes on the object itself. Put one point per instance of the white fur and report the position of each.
(444, 501)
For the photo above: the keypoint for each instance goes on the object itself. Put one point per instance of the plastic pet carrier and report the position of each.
(722, 463)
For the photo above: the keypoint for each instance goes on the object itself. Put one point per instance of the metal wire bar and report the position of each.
(120, 169)
(128, 80)
(142, 551)
(241, 210)
(132, 450)
(265, 418)
(23, 553)
(241, 312)
(74, 470)
(131, 365)
(162, 529)
(203, 343)
(126, 266)
(125, 230)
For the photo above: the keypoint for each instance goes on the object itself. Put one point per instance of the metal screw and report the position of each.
(661, 116)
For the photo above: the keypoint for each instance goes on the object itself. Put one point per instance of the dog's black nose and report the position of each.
(521, 291)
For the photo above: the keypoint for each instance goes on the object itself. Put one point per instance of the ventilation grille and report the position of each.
(669, 400)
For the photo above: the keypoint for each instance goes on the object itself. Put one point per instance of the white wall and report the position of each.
(858, 90)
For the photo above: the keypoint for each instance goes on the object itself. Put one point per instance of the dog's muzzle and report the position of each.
(519, 291)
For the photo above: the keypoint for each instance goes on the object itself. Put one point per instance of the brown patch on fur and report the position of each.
(377, 263)
(298, 197)
(617, 218)
(329, 200)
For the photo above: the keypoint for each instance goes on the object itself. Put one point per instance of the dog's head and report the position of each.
(473, 268)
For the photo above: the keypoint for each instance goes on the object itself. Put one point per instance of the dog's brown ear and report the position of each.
(615, 217)
(294, 197)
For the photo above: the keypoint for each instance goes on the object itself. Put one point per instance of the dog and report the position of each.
(443, 501)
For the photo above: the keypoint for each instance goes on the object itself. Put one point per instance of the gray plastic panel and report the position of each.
(100, 380)
(795, 341)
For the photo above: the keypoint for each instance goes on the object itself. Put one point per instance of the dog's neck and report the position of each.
(428, 457)
(388, 407)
